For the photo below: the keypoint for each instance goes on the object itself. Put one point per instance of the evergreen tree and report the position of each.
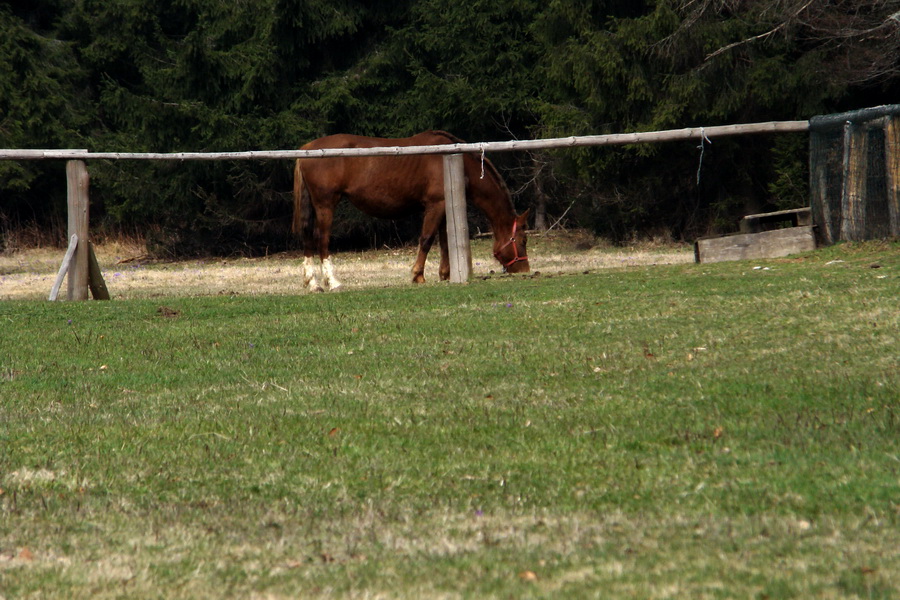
(207, 75)
(679, 63)
(42, 105)
(194, 75)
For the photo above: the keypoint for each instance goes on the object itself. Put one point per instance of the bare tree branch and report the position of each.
(858, 41)
(761, 36)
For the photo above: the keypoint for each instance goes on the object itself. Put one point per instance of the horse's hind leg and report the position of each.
(309, 275)
(310, 281)
(328, 274)
(325, 219)
(305, 225)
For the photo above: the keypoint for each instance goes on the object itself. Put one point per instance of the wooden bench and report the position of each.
(766, 235)
(797, 217)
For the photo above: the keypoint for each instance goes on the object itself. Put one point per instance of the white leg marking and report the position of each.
(328, 274)
(309, 275)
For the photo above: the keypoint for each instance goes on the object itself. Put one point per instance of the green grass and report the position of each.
(694, 431)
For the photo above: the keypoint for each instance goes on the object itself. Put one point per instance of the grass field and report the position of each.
(667, 431)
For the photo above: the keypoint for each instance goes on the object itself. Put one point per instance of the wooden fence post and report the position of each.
(457, 223)
(820, 164)
(892, 170)
(77, 181)
(853, 200)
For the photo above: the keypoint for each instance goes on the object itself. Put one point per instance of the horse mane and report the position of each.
(489, 166)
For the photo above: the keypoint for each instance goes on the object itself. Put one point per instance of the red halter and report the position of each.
(512, 240)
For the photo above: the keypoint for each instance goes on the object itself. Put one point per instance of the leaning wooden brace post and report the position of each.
(95, 277)
(64, 268)
(457, 224)
(77, 184)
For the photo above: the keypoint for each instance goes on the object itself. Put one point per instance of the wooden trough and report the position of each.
(759, 238)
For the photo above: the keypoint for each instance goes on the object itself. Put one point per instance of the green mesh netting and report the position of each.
(855, 174)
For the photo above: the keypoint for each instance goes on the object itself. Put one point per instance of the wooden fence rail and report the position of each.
(615, 139)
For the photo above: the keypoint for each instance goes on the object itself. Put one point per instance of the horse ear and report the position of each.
(522, 219)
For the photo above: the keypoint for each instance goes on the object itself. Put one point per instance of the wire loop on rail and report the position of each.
(703, 138)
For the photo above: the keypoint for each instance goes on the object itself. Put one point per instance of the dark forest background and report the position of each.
(222, 75)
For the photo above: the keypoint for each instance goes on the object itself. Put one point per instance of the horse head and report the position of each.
(510, 249)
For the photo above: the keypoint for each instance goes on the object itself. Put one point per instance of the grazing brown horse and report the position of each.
(395, 186)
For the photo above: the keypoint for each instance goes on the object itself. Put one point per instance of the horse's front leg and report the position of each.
(444, 270)
(418, 270)
(432, 221)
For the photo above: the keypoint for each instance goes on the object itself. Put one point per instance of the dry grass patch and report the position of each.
(29, 274)
(455, 555)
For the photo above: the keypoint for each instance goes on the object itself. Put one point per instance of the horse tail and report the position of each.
(302, 203)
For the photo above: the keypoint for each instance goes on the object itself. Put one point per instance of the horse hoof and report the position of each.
(335, 287)
(316, 288)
